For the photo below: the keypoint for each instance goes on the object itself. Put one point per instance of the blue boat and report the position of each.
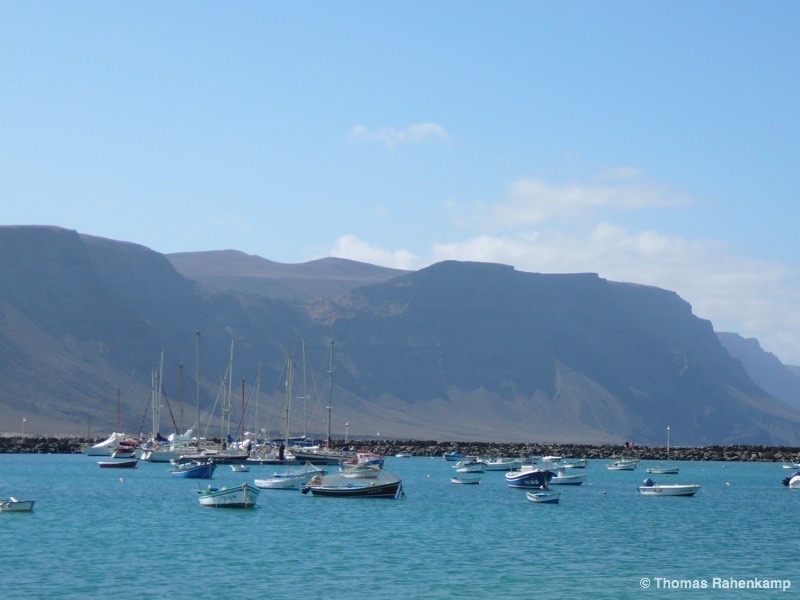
(194, 470)
(453, 456)
(529, 478)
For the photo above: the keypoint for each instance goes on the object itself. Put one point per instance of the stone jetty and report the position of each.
(61, 445)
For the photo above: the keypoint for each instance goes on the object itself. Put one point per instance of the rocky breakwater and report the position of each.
(41, 445)
(606, 452)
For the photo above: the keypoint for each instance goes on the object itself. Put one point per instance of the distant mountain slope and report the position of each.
(536, 355)
(764, 368)
(237, 271)
(456, 351)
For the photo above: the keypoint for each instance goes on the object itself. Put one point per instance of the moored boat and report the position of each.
(663, 471)
(118, 464)
(466, 479)
(792, 482)
(240, 496)
(469, 465)
(239, 468)
(623, 465)
(14, 505)
(385, 485)
(194, 470)
(453, 456)
(648, 488)
(544, 497)
(502, 464)
(564, 477)
(529, 477)
(290, 480)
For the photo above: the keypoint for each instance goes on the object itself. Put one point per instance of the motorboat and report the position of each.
(453, 456)
(240, 496)
(466, 479)
(623, 465)
(663, 471)
(118, 464)
(363, 457)
(469, 465)
(290, 480)
(364, 470)
(502, 464)
(544, 497)
(385, 485)
(648, 488)
(14, 505)
(194, 470)
(573, 463)
(563, 477)
(528, 477)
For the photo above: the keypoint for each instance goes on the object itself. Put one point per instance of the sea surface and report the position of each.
(105, 533)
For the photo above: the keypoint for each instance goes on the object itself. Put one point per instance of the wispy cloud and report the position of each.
(754, 298)
(530, 201)
(418, 132)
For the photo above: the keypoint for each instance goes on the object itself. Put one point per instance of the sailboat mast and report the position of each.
(305, 395)
(180, 388)
(197, 385)
(230, 394)
(288, 401)
(330, 393)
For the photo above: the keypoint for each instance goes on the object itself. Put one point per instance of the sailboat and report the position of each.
(326, 455)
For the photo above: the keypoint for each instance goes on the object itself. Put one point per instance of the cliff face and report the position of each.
(466, 351)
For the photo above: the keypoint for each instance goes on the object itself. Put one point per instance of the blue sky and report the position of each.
(651, 142)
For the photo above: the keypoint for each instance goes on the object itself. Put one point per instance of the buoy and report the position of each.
(122, 480)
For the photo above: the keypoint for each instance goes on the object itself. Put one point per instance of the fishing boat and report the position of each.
(240, 496)
(563, 477)
(385, 485)
(118, 464)
(14, 505)
(365, 457)
(663, 471)
(544, 497)
(648, 488)
(623, 465)
(529, 477)
(194, 470)
(466, 479)
(290, 479)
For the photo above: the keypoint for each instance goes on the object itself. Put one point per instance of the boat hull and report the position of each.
(669, 490)
(119, 464)
(674, 471)
(14, 505)
(544, 497)
(243, 496)
(466, 479)
(531, 479)
(379, 490)
(203, 471)
(568, 479)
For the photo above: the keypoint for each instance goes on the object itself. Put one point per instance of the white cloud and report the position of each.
(530, 201)
(417, 132)
(754, 298)
(349, 246)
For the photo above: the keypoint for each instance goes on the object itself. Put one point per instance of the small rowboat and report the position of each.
(14, 505)
(118, 464)
(544, 497)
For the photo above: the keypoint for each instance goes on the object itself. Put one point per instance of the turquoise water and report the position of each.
(100, 533)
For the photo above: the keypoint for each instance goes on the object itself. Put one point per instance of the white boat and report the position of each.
(544, 497)
(365, 470)
(466, 479)
(290, 480)
(562, 477)
(663, 471)
(14, 505)
(793, 466)
(469, 465)
(239, 468)
(402, 455)
(502, 464)
(106, 447)
(240, 496)
(574, 463)
(675, 489)
(792, 482)
(623, 465)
